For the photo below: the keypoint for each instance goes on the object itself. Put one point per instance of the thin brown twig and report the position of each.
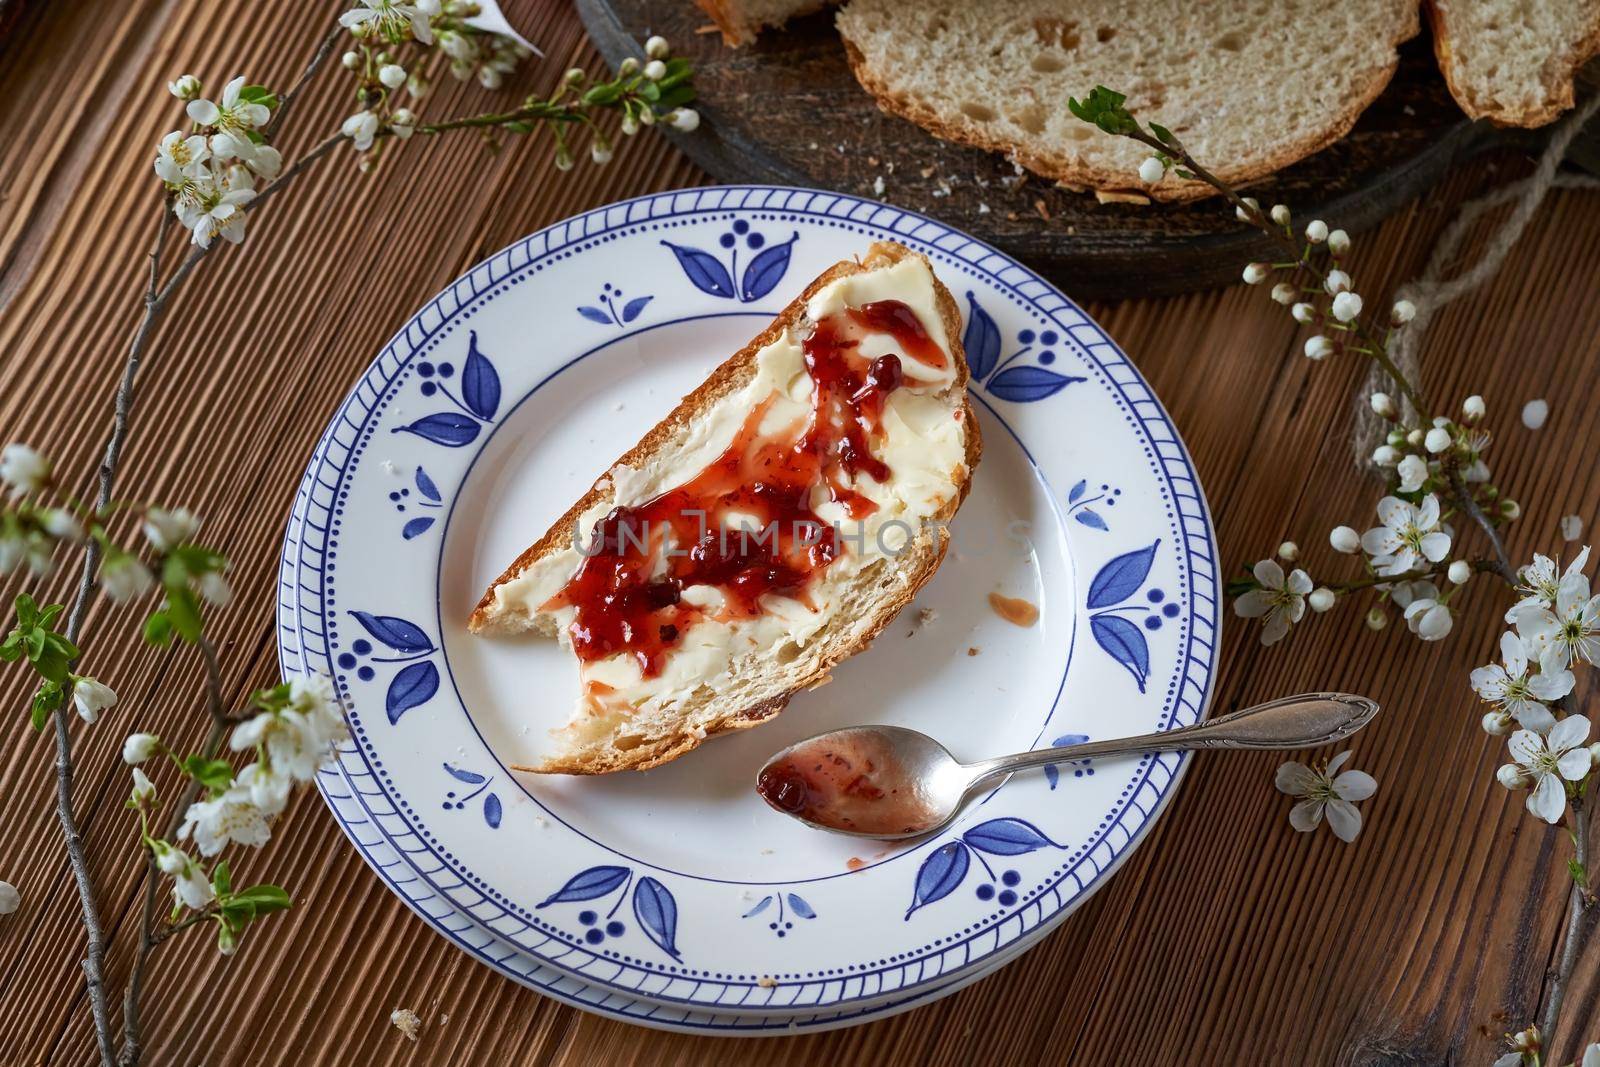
(1463, 495)
(1577, 930)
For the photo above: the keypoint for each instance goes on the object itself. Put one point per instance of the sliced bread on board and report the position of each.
(1512, 61)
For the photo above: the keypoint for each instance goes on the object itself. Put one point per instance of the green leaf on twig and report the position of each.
(216, 775)
(50, 653)
(158, 629)
(50, 696)
(221, 878)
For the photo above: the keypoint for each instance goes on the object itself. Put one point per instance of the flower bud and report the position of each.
(1498, 723)
(1438, 439)
(1414, 437)
(1152, 170)
(1344, 539)
(23, 469)
(684, 119)
(647, 117)
(630, 125)
(657, 48)
(144, 790)
(1473, 408)
(1243, 215)
(627, 66)
(350, 61)
(1303, 313)
(1346, 307)
(1511, 509)
(1288, 551)
(418, 85)
(1383, 405)
(1318, 347)
(1386, 455)
(1256, 273)
(1338, 242)
(140, 747)
(1377, 619)
(91, 698)
(655, 70)
(600, 152)
(1321, 599)
(1337, 282)
(1509, 775)
(1316, 231)
(563, 158)
(186, 87)
(1402, 312)
(575, 76)
(1460, 572)
(63, 525)
(1280, 214)
(1594, 754)
(1284, 293)
(392, 75)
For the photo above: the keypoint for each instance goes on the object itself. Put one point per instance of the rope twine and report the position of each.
(1432, 291)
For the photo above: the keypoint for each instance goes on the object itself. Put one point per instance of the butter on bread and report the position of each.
(731, 674)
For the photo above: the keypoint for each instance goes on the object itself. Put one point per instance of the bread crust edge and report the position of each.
(1556, 103)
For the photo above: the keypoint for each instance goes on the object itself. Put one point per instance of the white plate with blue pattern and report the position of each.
(676, 897)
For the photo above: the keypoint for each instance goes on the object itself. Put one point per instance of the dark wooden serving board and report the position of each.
(787, 110)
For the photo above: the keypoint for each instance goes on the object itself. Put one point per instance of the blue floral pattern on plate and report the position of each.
(476, 406)
(714, 277)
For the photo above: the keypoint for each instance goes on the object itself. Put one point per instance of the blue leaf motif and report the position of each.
(1091, 518)
(631, 309)
(1076, 493)
(449, 428)
(1051, 775)
(981, 340)
(492, 811)
(587, 885)
(1023, 385)
(761, 905)
(470, 777)
(798, 905)
(594, 314)
(706, 273)
(940, 874)
(1122, 577)
(425, 485)
(412, 686)
(397, 633)
(1124, 642)
(1006, 837)
(480, 384)
(1069, 739)
(416, 527)
(767, 270)
(657, 913)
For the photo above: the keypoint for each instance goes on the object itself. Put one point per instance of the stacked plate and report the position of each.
(676, 898)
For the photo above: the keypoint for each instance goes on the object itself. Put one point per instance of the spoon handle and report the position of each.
(1302, 721)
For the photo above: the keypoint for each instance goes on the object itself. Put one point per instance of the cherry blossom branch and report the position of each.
(1469, 504)
(1580, 901)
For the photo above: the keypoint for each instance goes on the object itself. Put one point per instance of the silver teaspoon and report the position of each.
(889, 782)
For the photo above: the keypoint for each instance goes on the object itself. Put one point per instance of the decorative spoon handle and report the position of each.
(1302, 721)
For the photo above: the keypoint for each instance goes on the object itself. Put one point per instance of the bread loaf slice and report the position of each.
(727, 672)
(741, 20)
(1512, 61)
(1249, 86)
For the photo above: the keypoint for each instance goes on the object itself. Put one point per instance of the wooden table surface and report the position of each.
(1228, 937)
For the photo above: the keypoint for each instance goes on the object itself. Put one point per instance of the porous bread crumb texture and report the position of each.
(766, 678)
(1513, 61)
(1250, 86)
(741, 20)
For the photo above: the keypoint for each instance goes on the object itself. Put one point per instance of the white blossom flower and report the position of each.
(214, 207)
(1591, 1056)
(392, 75)
(1409, 535)
(301, 737)
(181, 160)
(10, 899)
(1508, 686)
(190, 886)
(1402, 312)
(233, 114)
(1383, 405)
(1566, 631)
(1344, 539)
(1338, 242)
(1386, 455)
(1413, 471)
(1437, 440)
(144, 790)
(91, 697)
(23, 469)
(167, 529)
(1539, 582)
(13, 550)
(268, 788)
(140, 747)
(1337, 282)
(393, 21)
(684, 119)
(1152, 170)
(1534, 413)
(1318, 347)
(1279, 600)
(124, 578)
(403, 123)
(1316, 231)
(361, 128)
(233, 816)
(1544, 763)
(1429, 618)
(1346, 307)
(64, 525)
(1325, 791)
(184, 87)
(215, 589)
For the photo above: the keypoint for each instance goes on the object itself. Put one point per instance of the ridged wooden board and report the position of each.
(1228, 938)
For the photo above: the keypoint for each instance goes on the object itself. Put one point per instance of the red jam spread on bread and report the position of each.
(627, 592)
